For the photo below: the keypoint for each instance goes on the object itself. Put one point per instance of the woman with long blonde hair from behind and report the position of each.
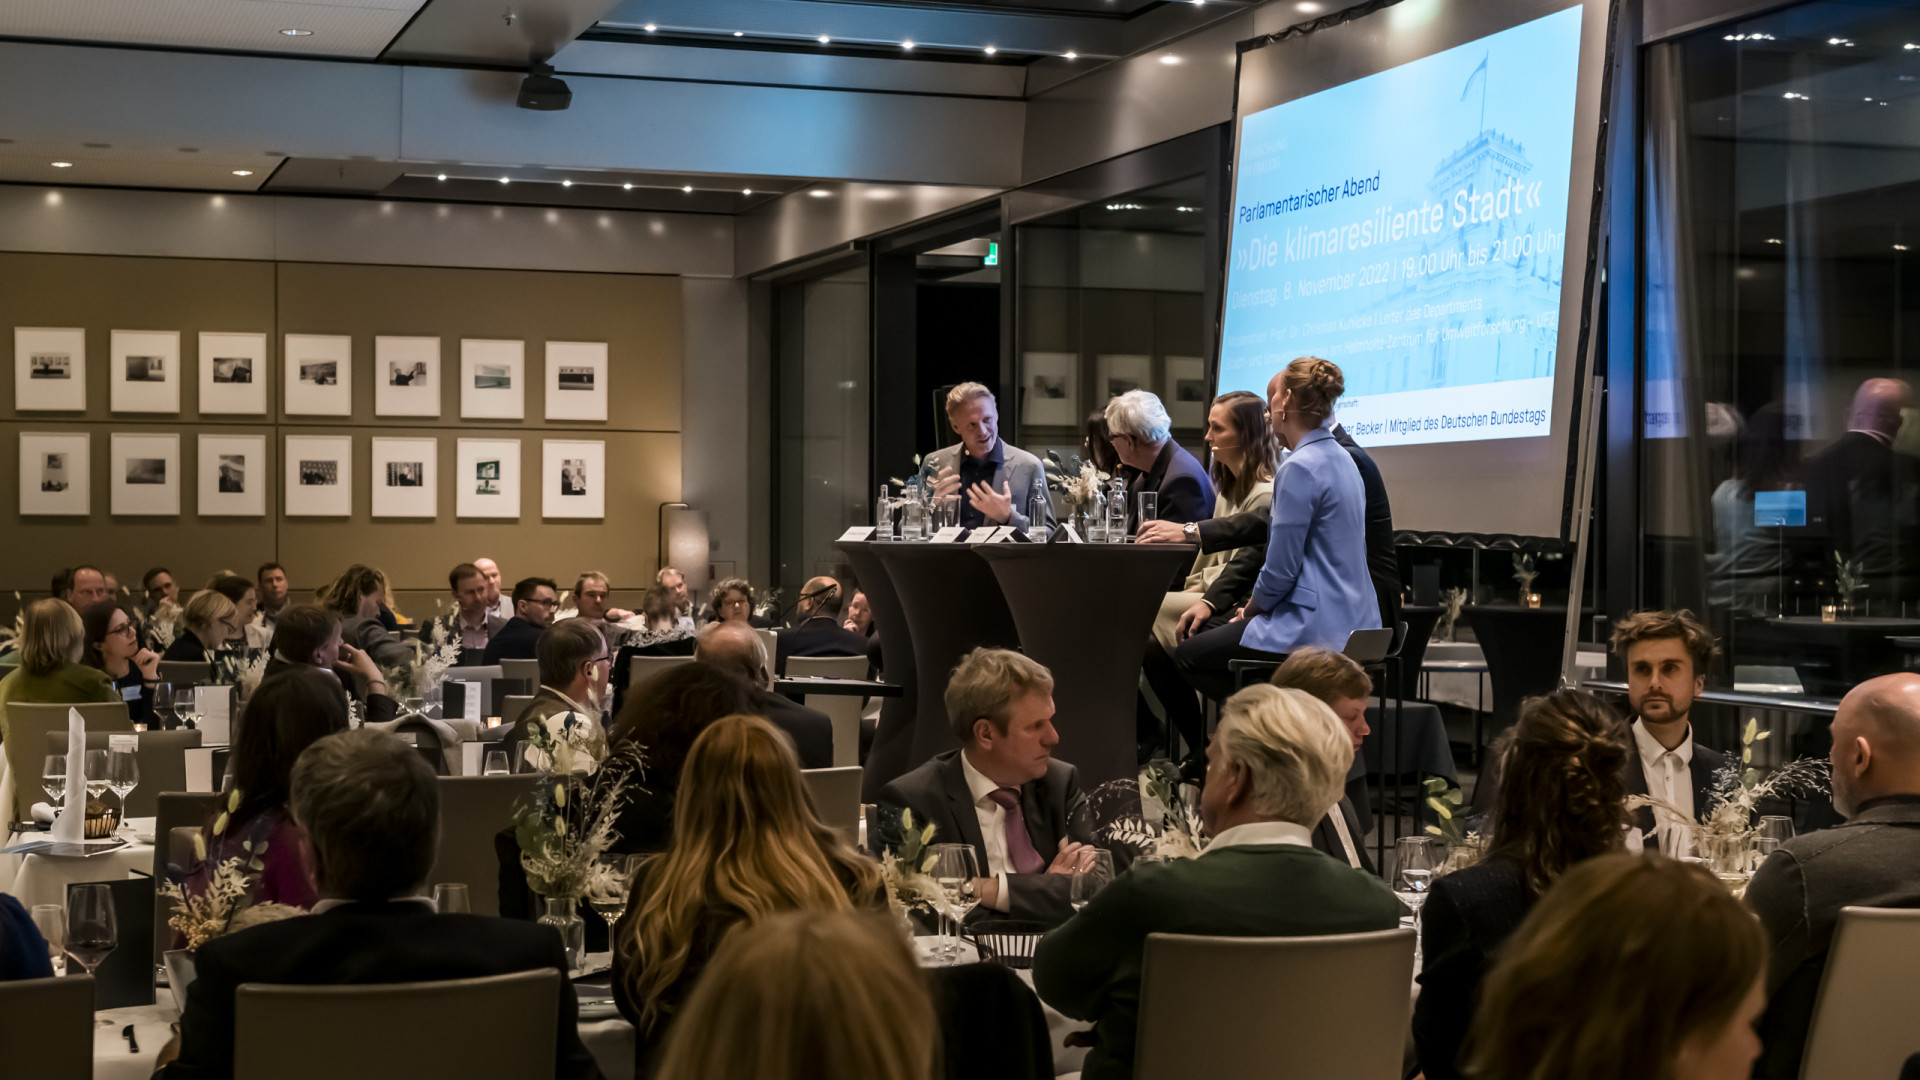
(802, 995)
(747, 844)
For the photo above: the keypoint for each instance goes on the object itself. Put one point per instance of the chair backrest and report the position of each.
(842, 709)
(47, 1027)
(162, 756)
(484, 674)
(173, 810)
(1369, 646)
(508, 1023)
(425, 739)
(26, 744)
(642, 668)
(836, 795)
(526, 673)
(1335, 1005)
(181, 673)
(1861, 1020)
(772, 641)
(472, 810)
(512, 706)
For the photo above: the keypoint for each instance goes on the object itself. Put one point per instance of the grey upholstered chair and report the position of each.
(842, 709)
(1861, 1020)
(46, 1026)
(472, 810)
(836, 795)
(162, 756)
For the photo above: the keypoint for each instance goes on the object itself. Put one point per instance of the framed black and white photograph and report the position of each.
(492, 379)
(319, 377)
(49, 369)
(55, 473)
(487, 483)
(576, 380)
(406, 376)
(1117, 373)
(573, 481)
(233, 374)
(233, 472)
(1052, 386)
(144, 475)
(319, 475)
(143, 371)
(404, 479)
(1184, 391)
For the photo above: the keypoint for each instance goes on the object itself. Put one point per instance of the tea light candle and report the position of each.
(1829, 613)
(139, 727)
(1533, 600)
(493, 721)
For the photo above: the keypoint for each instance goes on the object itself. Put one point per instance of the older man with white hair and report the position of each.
(998, 483)
(1142, 436)
(1276, 766)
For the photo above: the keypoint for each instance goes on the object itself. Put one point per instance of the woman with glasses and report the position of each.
(113, 646)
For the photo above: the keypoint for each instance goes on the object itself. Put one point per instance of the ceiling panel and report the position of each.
(356, 28)
(153, 167)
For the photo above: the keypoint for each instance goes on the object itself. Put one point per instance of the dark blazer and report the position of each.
(1326, 838)
(937, 793)
(1468, 915)
(187, 647)
(821, 635)
(1705, 763)
(811, 731)
(380, 707)
(1186, 493)
(451, 620)
(357, 944)
(371, 636)
(513, 641)
(1090, 967)
(1798, 893)
(23, 952)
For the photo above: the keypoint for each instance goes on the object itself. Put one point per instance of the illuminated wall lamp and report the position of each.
(686, 543)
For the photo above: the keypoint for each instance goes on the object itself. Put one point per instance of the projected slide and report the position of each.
(1410, 226)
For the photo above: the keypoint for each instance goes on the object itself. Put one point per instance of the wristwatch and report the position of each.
(1190, 532)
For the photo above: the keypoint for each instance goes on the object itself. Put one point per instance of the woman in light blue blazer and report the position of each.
(1314, 588)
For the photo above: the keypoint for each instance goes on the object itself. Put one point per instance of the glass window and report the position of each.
(823, 401)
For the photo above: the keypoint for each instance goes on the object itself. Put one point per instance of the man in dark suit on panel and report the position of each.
(816, 629)
(1002, 791)
(736, 648)
(1142, 436)
(1667, 653)
(535, 599)
(370, 808)
(1867, 862)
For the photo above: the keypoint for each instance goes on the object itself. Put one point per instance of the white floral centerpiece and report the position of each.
(1155, 814)
(423, 676)
(568, 821)
(1725, 837)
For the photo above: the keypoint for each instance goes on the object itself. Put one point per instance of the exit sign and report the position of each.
(993, 254)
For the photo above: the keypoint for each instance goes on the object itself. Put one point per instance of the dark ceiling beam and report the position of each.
(516, 33)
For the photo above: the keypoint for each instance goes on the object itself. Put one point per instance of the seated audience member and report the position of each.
(1002, 791)
(816, 629)
(995, 482)
(1561, 802)
(1869, 861)
(246, 604)
(274, 591)
(659, 611)
(1344, 687)
(289, 712)
(733, 601)
(1629, 966)
(1142, 435)
(83, 586)
(359, 597)
(370, 809)
(859, 618)
(593, 600)
(113, 585)
(1667, 654)
(1096, 443)
(306, 635)
(1277, 764)
(736, 648)
(52, 642)
(159, 589)
(677, 581)
(535, 599)
(208, 623)
(801, 995)
(113, 646)
(23, 952)
(472, 622)
(747, 843)
(500, 605)
(573, 674)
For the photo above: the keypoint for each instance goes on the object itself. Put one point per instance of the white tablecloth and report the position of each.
(152, 1027)
(43, 879)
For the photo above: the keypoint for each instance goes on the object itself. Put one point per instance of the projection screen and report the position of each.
(1413, 196)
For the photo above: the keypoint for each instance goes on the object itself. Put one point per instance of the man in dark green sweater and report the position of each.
(1277, 764)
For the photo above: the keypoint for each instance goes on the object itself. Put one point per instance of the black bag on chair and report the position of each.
(991, 1024)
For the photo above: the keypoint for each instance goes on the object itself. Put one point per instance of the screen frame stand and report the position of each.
(1588, 451)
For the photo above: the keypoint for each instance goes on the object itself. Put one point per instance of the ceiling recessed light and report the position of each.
(906, 44)
(566, 183)
(243, 172)
(504, 179)
(1071, 55)
(820, 193)
(824, 39)
(1899, 247)
(1774, 240)
(443, 176)
(1307, 7)
(746, 191)
(688, 189)
(291, 32)
(626, 187)
(1169, 58)
(649, 28)
(990, 50)
(739, 33)
(63, 164)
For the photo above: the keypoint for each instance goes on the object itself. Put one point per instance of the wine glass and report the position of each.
(183, 702)
(162, 703)
(956, 869)
(91, 930)
(1776, 827)
(611, 885)
(96, 770)
(1414, 856)
(53, 777)
(51, 921)
(1095, 873)
(451, 898)
(123, 775)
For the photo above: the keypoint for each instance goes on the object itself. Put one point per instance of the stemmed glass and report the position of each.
(91, 930)
(1414, 857)
(53, 777)
(123, 775)
(96, 770)
(162, 705)
(183, 705)
(611, 885)
(451, 898)
(1776, 827)
(1090, 879)
(51, 921)
(956, 870)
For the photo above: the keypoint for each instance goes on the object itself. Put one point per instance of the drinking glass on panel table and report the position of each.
(123, 775)
(1149, 503)
(956, 870)
(610, 886)
(51, 921)
(92, 932)
(53, 778)
(451, 898)
(96, 773)
(1776, 827)
(1095, 873)
(496, 764)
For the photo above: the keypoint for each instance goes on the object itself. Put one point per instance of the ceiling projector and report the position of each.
(540, 90)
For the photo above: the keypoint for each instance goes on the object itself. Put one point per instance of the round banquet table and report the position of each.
(1086, 611)
(892, 747)
(43, 879)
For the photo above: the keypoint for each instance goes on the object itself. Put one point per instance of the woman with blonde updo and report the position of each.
(1561, 801)
(1314, 588)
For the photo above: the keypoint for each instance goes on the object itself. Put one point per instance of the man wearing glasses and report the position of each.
(534, 601)
(573, 676)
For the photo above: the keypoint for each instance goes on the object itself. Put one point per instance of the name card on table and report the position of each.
(947, 535)
(473, 757)
(206, 767)
(994, 536)
(460, 698)
(214, 704)
(858, 532)
(129, 743)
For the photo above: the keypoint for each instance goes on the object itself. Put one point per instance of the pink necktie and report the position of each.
(1020, 852)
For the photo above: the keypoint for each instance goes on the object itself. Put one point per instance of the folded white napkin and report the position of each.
(41, 812)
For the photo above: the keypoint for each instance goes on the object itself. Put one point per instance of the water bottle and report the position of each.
(1097, 519)
(883, 516)
(1117, 512)
(1039, 510)
(913, 512)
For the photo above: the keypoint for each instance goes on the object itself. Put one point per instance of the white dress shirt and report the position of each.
(1346, 838)
(1669, 775)
(1260, 832)
(993, 830)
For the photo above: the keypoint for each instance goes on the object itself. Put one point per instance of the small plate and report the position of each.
(598, 1008)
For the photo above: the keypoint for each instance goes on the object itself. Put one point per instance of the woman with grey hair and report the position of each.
(1142, 437)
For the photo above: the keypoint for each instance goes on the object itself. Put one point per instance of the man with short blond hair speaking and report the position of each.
(997, 483)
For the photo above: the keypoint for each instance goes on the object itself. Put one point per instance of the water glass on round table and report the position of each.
(496, 764)
(51, 921)
(1095, 874)
(1149, 507)
(92, 931)
(123, 775)
(452, 898)
(955, 869)
(53, 778)
(1776, 827)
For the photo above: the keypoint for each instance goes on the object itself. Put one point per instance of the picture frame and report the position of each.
(319, 476)
(233, 374)
(49, 369)
(1050, 382)
(573, 478)
(233, 471)
(56, 474)
(1117, 373)
(406, 376)
(143, 475)
(487, 478)
(143, 371)
(1183, 390)
(319, 375)
(492, 379)
(404, 478)
(577, 380)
